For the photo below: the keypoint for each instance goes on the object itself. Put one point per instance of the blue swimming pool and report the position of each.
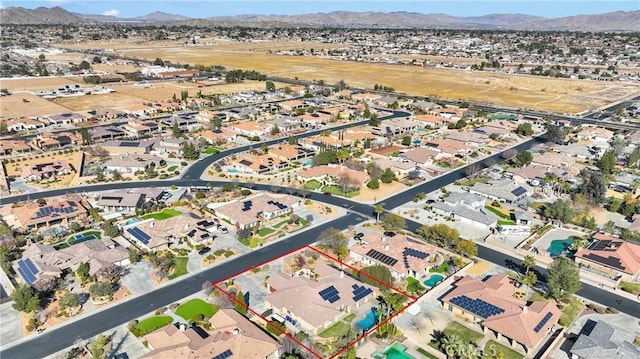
(560, 245)
(130, 221)
(369, 321)
(79, 238)
(232, 170)
(433, 280)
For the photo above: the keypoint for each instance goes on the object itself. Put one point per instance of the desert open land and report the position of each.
(518, 91)
(14, 106)
(38, 83)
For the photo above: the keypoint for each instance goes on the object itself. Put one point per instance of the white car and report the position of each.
(223, 229)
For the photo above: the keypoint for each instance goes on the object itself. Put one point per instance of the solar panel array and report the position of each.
(277, 204)
(414, 253)
(27, 270)
(54, 211)
(360, 292)
(330, 294)
(519, 191)
(246, 205)
(542, 323)
(225, 354)
(610, 261)
(600, 245)
(139, 234)
(477, 306)
(382, 258)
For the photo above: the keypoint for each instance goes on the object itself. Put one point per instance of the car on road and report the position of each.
(223, 229)
(327, 193)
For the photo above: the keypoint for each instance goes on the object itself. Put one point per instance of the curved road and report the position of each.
(59, 338)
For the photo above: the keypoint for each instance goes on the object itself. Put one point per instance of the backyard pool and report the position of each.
(394, 351)
(433, 280)
(369, 321)
(559, 246)
(130, 221)
(232, 170)
(79, 238)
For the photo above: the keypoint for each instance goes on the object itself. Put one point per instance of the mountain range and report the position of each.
(613, 21)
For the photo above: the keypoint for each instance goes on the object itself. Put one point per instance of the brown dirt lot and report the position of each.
(542, 93)
(15, 169)
(37, 83)
(14, 107)
(90, 102)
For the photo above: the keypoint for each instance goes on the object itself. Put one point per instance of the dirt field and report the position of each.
(90, 102)
(385, 190)
(521, 91)
(38, 83)
(70, 180)
(14, 107)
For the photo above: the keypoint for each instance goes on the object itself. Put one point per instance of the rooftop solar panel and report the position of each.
(225, 354)
(382, 258)
(519, 191)
(543, 322)
(334, 298)
(477, 306)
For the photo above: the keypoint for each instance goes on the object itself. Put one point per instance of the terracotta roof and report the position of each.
(333, 171)
(612, 252)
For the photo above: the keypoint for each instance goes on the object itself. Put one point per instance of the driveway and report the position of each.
(10, 330)
(138, 279)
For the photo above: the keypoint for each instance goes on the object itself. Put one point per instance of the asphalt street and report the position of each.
(55, 340)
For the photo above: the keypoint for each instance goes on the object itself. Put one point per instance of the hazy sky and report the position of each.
(208, 8)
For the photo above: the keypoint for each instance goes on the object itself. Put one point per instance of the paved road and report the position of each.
(58, 339)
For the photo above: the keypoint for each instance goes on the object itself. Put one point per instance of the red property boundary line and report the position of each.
(342, 265)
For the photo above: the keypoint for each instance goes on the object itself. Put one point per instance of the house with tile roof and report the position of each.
(611, 257)
(54, 212)
(24, 123)
(232, 335)
(598, 339)
(40, 171)
(505, 190)
(14, 147)
(491, 304)
(252, 211)
(329, 294)
(403, 255)
(594, 133)
(258, 163)
(421, 156)
(330, 174)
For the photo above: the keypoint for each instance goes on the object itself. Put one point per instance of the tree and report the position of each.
(333, 239)
(441, 234)
(524, 129)
(46, 284)
(25, 299)
(593, 187)
(528, 262)
(387, 176)
(561, 210)
(378, 210)
(99, 173)
(84, 65)
(374, 183)
(392, 221)
(42, 57)
(83, 271)
(563, 278)
(406, 141)
(555, 133)
(110, 273)
(270, 86)
(190, 152)
(607, 162)
(134, 255)
(175, 130)
(100, 289)
(69, 300)
(529, 279)
(241, 305)
(633, 158)
(523, 158)
(109, 229)
(380, 273)
(158, 62)
(467, 248)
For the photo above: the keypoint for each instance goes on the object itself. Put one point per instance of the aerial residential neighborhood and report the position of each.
(332, 182)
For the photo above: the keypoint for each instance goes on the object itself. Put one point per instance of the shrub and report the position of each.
(612, 310)
(198, 317)
(132, 324)
(600, 310)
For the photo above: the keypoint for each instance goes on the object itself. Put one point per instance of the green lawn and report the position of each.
(630, 287)
(425, 353)
(312, 185)
(148, 325)
(179, 267)
(279, 224)
(250, 242)
(571, 311)
(497, 212)
(440, 269)
(172, 168)
(211, 150)
(338, 191)
(349, 318)
(337, 330)
(467, 335)
(508, 352)
(506, 223)
(263, 232)
(194, 307)
(167, 213)
(414, 285)
(537, 297)
(539, 206)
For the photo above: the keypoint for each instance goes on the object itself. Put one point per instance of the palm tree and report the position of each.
(529, 279)
(467, 351)
(528, 262)
(450, 343)
(379, 210)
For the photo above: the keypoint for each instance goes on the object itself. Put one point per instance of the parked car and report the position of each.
(223, 229)
(204, 250)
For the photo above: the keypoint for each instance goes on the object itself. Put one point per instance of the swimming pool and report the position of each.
(130, 221)
(397, 351)
(433, 280)
(560, 245)
(232, 170)
(79, 238)
(369, 321)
